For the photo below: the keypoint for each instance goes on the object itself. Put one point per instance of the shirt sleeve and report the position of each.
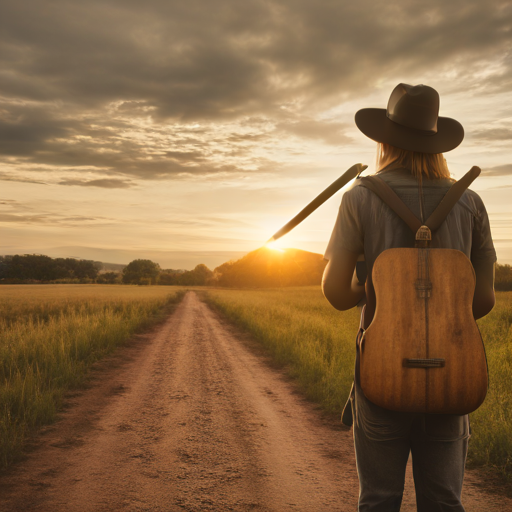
(348, 232)
(482, 246)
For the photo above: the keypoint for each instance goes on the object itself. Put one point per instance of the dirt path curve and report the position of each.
(190, 418)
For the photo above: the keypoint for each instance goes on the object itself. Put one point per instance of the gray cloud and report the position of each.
(103, 183)
(188, 156)
(328, 132)
(499, 170)
(49, 218)
(10, 217)
(8, 177)
(39, 136)
(78, 79)
(493, 134)
(15, 206)
(189, 61)
(79, 218)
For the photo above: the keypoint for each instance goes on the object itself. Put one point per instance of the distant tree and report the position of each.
(109, 278)
(503, 277)
(141, 272)
(197, 277)
(4, 266)
(37, 267)
(169, 278)
(34, 267)
(75, 269)
(86, 269)
(203, 273)
(98, 265)
(200, 276)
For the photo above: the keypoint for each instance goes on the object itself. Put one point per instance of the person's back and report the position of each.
(383, 229)
(366, 226)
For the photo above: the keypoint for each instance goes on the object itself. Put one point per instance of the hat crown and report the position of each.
(414, 107)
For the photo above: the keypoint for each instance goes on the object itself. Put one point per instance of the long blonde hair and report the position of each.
(428, 165)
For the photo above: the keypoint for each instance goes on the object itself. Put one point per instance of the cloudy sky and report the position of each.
(189, 132)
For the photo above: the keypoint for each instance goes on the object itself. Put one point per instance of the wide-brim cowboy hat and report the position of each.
(411, 121)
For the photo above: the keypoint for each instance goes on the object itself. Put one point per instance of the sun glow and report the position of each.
(273, 245)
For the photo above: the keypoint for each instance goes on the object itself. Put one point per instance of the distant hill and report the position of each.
(110, 267)
(265, 268)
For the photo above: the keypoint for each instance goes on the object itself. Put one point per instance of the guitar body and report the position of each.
(423, 351)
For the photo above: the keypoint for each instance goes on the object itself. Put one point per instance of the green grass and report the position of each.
(491, 442)
(49, 337)
(300, 329)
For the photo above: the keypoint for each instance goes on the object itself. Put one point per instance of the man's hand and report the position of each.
(339, 283)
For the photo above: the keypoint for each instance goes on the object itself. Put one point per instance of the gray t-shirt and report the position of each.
(366, 225)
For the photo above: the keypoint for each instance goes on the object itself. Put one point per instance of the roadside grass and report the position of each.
(491, 440)
(49, 337)
(301, 330)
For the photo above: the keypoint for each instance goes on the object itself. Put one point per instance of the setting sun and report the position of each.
(273, 245)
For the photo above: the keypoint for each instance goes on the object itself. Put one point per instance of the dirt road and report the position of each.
(191, 418)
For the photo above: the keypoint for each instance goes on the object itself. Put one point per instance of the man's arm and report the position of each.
(484, 298)
(339, 283)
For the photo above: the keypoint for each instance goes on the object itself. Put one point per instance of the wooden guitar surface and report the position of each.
(423, 351)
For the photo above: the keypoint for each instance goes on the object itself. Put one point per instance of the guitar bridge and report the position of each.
(424, 363)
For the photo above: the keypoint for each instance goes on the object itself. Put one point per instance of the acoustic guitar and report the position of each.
(423, 351)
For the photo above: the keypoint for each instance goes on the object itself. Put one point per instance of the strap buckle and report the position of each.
(424, 233)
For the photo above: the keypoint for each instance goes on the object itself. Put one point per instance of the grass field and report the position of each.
(49, 337)
(301, 330)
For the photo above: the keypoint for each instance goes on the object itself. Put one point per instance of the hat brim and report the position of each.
(375, 124)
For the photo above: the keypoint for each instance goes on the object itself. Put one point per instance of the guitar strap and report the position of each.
(388, 196)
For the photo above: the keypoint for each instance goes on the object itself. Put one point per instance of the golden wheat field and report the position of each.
(301, 330)
(49, 337)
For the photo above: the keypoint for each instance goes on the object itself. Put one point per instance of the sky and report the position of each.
(189, 132)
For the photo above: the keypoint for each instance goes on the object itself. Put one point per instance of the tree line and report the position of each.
(148, 272)
(259, 269)
(39, 268)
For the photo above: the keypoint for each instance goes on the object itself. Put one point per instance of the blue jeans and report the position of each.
(383, 440)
